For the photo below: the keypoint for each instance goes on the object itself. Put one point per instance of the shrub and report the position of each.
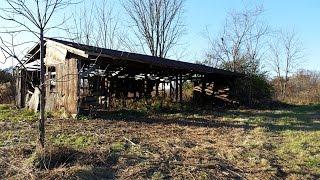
(7, 89)
(303, 87)
(252, 90)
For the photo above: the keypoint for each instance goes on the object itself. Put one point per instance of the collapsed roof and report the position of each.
(151, 61)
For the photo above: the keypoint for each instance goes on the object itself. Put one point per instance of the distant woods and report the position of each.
(303, 87)
(248, 45)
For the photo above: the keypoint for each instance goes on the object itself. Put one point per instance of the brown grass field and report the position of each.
(243, 144)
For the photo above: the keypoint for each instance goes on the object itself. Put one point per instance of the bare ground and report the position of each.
(241, 144)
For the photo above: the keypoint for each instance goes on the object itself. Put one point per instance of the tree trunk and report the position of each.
(42, 89)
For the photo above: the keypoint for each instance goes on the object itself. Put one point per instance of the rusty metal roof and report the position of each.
(151, 60)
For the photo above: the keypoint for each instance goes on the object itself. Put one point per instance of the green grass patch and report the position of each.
(77, 141)
(4, 107)
(10, 113)
(300, 149)
(118, 147)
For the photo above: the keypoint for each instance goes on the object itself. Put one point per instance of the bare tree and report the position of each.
(108, 24)
(10, 49)
(96, 25)
(158, 24)
(34, 17)
(239, 47)
(286, 52)
(81, 29)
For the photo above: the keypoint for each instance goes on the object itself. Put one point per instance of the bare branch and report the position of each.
(31, 15)
(158, 24)
(241, 44)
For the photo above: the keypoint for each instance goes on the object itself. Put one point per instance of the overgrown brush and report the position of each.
(7, 87)
(11, 113)
(302, 87)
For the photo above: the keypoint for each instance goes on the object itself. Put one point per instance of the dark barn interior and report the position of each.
(81, 77)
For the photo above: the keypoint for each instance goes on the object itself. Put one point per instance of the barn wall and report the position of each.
(64, 94)
(68, 85)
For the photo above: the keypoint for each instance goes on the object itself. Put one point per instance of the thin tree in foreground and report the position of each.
(158, 24)
(34, 17)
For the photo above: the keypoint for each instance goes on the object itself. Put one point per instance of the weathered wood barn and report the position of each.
(80, 76)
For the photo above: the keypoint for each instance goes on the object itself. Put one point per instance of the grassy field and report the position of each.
(245, 144)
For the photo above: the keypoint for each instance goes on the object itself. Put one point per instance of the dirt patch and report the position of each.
(162, 146)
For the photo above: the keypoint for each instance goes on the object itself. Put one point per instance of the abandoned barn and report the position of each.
(80, 77)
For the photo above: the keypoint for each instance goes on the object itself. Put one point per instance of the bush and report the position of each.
(7, 89)
(5, 77)
(252, 90)
(303, 87)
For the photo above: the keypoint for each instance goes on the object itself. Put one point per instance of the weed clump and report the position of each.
(53, 157)
(77, 141)
(10, 113)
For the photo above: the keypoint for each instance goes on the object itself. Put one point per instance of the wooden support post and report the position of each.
(176, 89)
(145, 85)
(157, 88)
(80, 81)
(170, 88)
(135, 94)
(23, 89)
(181, 84)
(203, 90)
(164, 90)
(124, 93)
(107, 93)
(103, 86)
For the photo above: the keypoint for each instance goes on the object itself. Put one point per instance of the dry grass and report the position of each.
(250, 144)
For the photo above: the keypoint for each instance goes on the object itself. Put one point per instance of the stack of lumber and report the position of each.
(221, 94)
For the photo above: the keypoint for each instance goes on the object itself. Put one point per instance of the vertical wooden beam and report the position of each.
(176, 89)
(18, 88)
(164, 90)
(107, 92)
(170, 80)
(157, 88)
(180, 87)
(23, 88)
(79, 99)
(47, 84)
(203, 89)
(145, 85)
(135, 90)
(124, 93)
